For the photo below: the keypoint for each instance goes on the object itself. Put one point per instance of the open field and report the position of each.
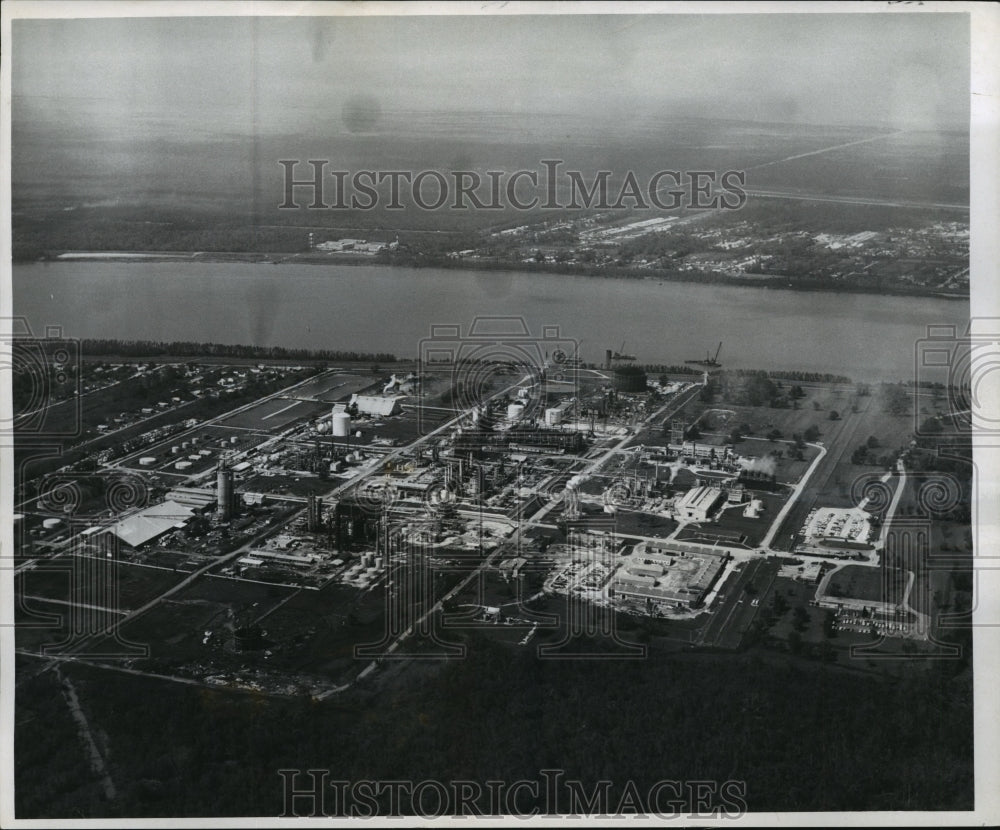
(334, 387)
(858, 582)
(276, 414)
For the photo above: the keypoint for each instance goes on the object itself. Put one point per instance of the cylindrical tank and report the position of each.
(514, 411)
(341, 424)
(553, 417)
(233, 439)
(146, 460)
(225, 493)
(48, 524)
(175, 450)
(185, 445)
(630, 379)
(182, 465)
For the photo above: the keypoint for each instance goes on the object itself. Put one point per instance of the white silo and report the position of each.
(341, 424)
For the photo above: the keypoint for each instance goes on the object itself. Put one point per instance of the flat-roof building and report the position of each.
(665, 574)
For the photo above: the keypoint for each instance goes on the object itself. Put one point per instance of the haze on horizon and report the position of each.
(176, 79)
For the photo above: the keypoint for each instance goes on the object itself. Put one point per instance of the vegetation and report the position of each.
(804, 736)
(153, 348)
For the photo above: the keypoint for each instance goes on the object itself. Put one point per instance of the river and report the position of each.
(389, 309)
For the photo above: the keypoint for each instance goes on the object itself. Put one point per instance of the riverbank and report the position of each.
(403, 260)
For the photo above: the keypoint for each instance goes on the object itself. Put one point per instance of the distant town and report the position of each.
(903, 251)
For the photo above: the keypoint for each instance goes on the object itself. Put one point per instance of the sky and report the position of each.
(170, 77)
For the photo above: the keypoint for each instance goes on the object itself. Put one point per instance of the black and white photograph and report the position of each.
(523, 413)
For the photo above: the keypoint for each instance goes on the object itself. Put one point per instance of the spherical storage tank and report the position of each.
(341, 424)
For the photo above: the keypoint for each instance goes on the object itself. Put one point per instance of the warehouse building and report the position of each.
(143, 527)
(375, 405)
(697, 504)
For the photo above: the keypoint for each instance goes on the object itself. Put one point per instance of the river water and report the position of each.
(389, 309)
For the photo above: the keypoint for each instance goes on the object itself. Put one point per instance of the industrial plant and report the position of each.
(612, 486)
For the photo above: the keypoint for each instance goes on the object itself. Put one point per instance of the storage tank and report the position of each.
(182, 465)
(629, 379)
(48, 524)
(146, 460)
(514, 411)
(175, 450)
(553, 416)
(341, 424)
(224, 493)
(185, 445)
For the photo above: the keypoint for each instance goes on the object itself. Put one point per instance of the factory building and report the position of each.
(697, 504)
(700, 451)
(375, 405)
(660, 573)
(149, 524)
(198, 498)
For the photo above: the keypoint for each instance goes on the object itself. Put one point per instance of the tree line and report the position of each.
(155, 348)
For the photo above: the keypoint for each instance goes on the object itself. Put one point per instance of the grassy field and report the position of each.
(864, 583)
